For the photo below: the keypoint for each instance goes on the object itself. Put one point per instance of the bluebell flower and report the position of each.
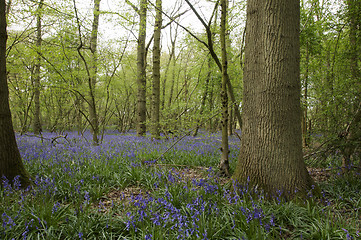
(6, 185)
(86, 197)
(55, 207)
(348, 236)
(7, 222)
(16, 182)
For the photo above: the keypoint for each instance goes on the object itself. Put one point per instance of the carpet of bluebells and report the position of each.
(133, 187)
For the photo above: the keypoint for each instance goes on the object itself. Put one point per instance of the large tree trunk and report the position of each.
(271, 146)
(36, 121)
(156, 71)
(10, 160)
(141, 78)
(224, 163)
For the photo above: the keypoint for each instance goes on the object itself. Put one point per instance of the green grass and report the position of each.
(117, 191)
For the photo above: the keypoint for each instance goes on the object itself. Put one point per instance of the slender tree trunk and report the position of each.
(271, 146)
(305, 134)
(209, 45)
(230, 122)
(212, 127)
(164, 83)
(141, 78)
(354, 17)
(325, 94)
(173, 83)
(329, 94)
(78, 107)
(235, 110)
(204, 97)
(224, 163)
(186, 87)
(10, 160)
(24, 125)
(36, 121)
(156, 71)
(170, 60)
(93, 116)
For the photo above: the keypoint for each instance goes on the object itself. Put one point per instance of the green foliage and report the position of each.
(70, 197)
(118, 191)
(325, 62)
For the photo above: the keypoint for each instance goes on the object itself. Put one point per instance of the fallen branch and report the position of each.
(176, 165)
(52, 140)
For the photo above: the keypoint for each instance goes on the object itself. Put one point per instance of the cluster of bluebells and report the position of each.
(55, 163)
(64, 171)
(163, 213)
(7, 221)
(198, 206)
(72, 152)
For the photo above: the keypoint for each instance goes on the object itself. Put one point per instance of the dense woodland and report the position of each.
(184, 119)
(74, 66)
(78, 66)
(58, 47)
(66, 58)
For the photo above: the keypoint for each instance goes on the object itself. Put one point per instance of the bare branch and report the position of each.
(209, 44)
(175, 17)
(132, 5)
(197, 14)
(213, 13)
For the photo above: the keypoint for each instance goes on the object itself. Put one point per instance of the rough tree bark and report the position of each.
(271, 145)
(93, 116)
(36, 121)
(141, 71)
(156, 71)
(10, 160)
(224, 163)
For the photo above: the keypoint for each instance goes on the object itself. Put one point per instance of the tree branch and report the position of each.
(132, 5)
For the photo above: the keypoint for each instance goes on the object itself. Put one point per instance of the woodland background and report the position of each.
(118, 108)
(51, 58)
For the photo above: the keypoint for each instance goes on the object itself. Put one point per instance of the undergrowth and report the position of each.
(126, 188)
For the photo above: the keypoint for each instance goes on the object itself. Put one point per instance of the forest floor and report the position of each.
(137, 188)
(190, 173)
